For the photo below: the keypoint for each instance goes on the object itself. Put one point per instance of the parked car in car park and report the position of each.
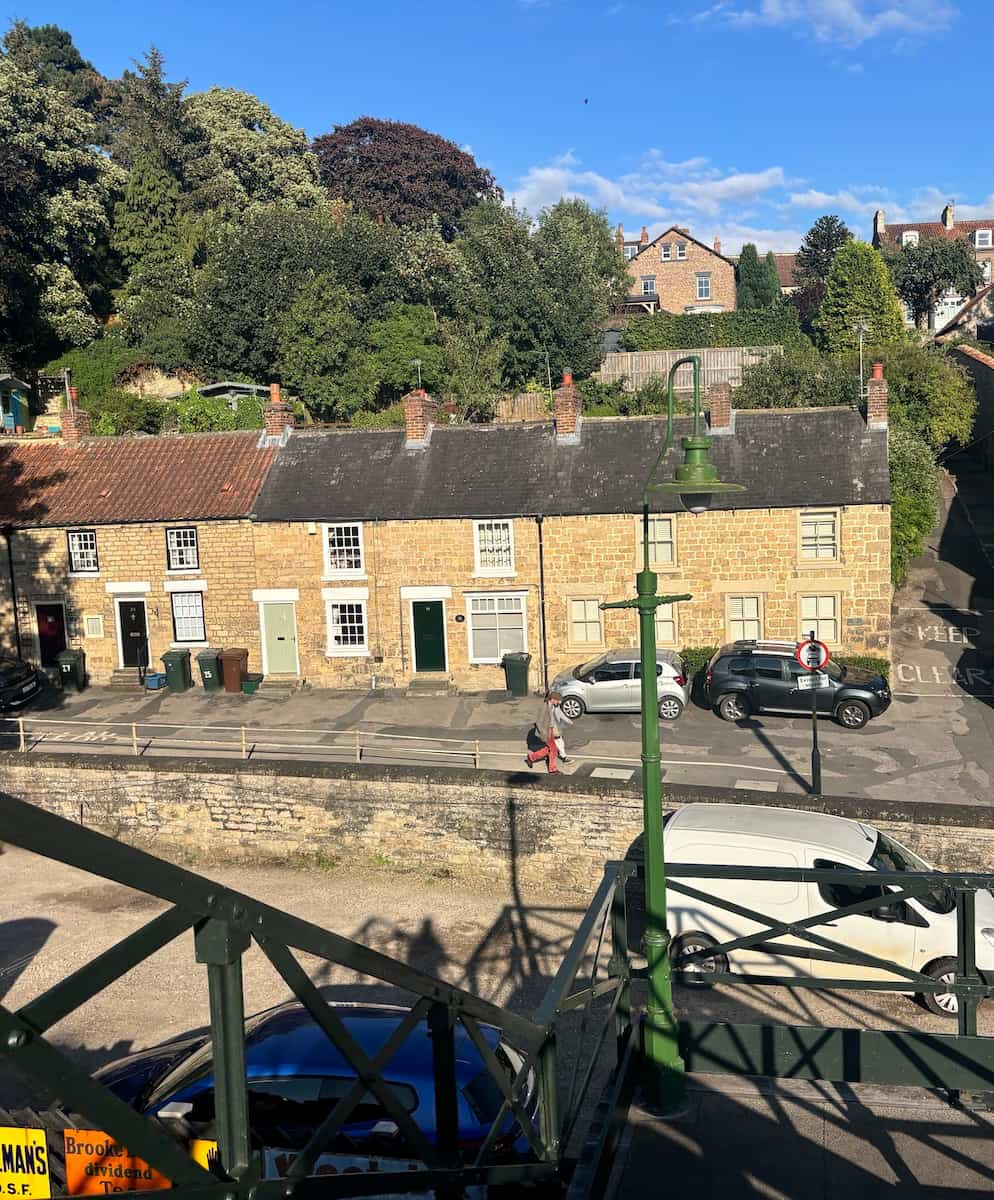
(296, 1075)
(917, 933)
(762, 676)
(612, 682)
(19, 683)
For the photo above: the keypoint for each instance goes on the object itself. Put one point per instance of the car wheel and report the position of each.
(573, 707)
(943, 1004)
(852, 714)
(670, 708)
(733, 707)
(696, 974)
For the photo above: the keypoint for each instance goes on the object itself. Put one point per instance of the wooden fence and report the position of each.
(526, 406)
(717, 366)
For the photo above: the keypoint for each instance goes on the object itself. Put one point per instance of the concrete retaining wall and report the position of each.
(488, 824)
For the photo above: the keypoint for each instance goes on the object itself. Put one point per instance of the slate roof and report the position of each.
(786, 459)
(934, 229)
(107, 481)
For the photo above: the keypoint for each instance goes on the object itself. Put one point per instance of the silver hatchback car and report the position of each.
(612, 682)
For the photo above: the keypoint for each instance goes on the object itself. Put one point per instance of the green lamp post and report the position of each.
(696, 483)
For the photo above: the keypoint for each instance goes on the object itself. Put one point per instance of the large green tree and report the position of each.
(406, 336)
(247, 155)
(858, 291)
(923, 273)
(57, 191)
(755, 286)
(578, 261)
(821, 243)
(400, 172)
(50, 53)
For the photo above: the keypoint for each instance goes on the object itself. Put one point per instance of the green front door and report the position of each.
(429, 635)
(280, 630)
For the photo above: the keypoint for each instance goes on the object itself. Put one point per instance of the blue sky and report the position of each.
(744, 119)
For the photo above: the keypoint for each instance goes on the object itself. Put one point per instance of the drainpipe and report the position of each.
(541, 603)
(8, 533)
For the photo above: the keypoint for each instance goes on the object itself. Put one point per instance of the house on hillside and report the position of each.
(948, 313)
(676, 273)
(14, 411)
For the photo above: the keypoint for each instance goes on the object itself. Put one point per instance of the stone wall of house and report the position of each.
(981, 369)
(133, 554)
(716, 556)
(676, 280)
(533, 831)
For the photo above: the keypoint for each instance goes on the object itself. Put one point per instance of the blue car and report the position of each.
(296, 1076)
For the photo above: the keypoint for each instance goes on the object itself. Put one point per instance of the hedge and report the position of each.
(778, 325)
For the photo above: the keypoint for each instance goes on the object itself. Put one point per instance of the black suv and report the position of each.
(19, 682)
(747, 677)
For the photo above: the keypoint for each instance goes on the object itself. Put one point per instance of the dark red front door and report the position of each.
(51, 632)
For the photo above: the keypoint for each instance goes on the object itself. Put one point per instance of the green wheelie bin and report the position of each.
(177, 664)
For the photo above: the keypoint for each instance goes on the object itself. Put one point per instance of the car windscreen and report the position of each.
(585, 668)
(889, 855)
(833, 670)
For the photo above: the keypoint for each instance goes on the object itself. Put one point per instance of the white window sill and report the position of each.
(188, 645)
(512, 574)
(352, 652)
(182, 570)
(83, 575)
(492, 662)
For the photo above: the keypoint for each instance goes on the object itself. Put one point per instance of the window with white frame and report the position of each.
(648, 285)
(745, 618)
(188, 617)
(496, 627)
(982, 239)
(703, 286)
(662, 550)
(182, 551)
(343, 550)
(348, 627)
(585, 627)
(819, 536)
(909, 237)
(493, 545)
(666, 625)
(665, 252)
(681, 249)
(820, 613)
(83, 552)
(630, 252)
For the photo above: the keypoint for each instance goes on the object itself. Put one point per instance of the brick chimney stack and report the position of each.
(619, 237)
(720, 408)
(566, 406)
(75, 422)
(717, 245)
(948, 215)
(879, 224)
(644, 237)
(419, 417)
(277, 415)
(876, 398)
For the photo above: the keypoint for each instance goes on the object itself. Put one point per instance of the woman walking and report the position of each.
(549, 726)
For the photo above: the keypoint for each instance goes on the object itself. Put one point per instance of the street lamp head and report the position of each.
(696, 481)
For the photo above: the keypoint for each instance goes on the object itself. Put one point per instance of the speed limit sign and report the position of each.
(812, 655)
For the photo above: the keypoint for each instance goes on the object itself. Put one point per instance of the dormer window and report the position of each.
(909, 237)
(982, 239)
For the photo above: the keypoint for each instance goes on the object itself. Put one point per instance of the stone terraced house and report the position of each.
(358, 558)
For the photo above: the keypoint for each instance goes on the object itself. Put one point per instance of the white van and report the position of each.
(918, 933)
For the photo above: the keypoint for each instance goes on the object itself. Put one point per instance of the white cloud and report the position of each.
(850, 22)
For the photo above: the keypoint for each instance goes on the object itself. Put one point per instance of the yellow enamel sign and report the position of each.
(24, 1164)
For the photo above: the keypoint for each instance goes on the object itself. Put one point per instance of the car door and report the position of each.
(608, 687)
(888, 932)
(635, 687)
(799, 698)
(770, 685)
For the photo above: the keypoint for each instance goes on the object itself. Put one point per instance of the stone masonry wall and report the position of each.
(676, 280)
(505, 828)
(981, 369)
(134, 554)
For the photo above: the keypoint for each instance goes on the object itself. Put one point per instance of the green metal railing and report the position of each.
(224, 923)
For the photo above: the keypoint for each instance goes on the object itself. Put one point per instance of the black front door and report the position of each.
(134, 633)
(51, 632)
(429, 635)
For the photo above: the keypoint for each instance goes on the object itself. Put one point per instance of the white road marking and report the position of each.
(755, 785)
(610, 773)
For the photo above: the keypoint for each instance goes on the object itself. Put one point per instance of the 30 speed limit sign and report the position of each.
(811, 655)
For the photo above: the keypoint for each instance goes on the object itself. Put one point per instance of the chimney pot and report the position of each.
(717, 245)
(720, 408)
(277, 415)
(876, 398)
(948, 216)
(644, 235)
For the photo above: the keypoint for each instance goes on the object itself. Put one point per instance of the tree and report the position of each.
(406, 333)
(146, 230)
(578, 261)
(756, 288)
(923, 273)
(319, 354)
(247, 155)
(858, 290)
(472, 362)
(150, 118)
(50, 53)
(821, 243)
(929, 393)
(400, 172)
(773, 275)
(213, 414)
(57, 192)
(914, 499)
